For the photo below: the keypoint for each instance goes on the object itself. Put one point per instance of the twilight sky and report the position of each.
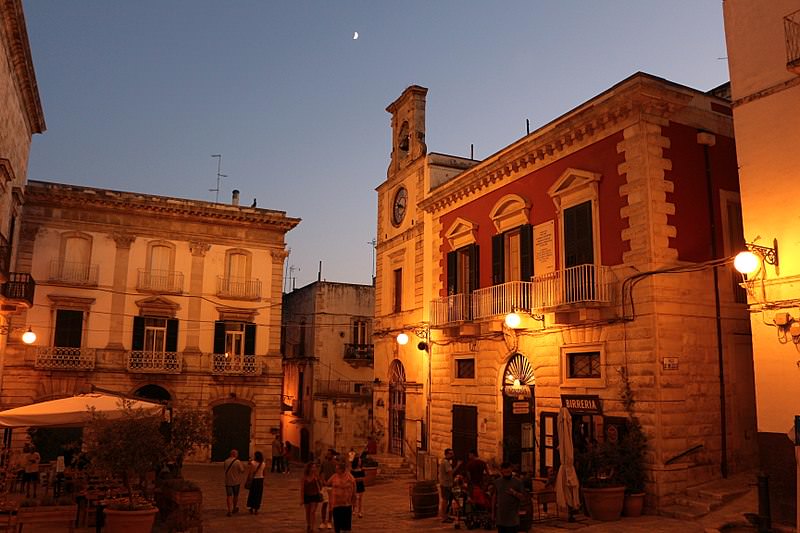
(139, 94)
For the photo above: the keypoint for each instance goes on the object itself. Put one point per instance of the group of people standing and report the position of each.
(337, 485)
(253, 474)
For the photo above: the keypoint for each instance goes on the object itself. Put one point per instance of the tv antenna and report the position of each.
(373, 243)
(219, 176)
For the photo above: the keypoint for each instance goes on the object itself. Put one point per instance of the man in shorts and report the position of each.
(446, 485)
(326, 470)
(234, 469)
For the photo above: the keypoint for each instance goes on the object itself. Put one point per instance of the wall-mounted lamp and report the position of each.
(513, 320)
(29, 337)
(752, 260)
(402, 339)
(421, 332)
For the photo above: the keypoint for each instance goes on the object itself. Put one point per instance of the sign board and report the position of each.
(582, 404)
(544, 248)
(520, 408)
(669, 363)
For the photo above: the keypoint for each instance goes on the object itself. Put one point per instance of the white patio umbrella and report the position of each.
(567, 486)
(72, 411)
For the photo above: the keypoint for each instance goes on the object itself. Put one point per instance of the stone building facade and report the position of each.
(764, 62)
(157, 297)
(606, 233)
(20, 117)
(328, 367)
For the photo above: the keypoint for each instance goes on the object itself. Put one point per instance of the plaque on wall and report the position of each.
(544, 248)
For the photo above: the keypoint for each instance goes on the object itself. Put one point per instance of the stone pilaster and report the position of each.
(119, 284)
(199, 251)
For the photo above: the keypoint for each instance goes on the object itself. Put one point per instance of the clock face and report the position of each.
(399, 205)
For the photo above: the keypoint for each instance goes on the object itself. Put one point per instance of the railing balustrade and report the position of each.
(21, 287)
(342, 387)
(235, 365)
(160, 280)
(236, 287)
(502, 299)
(60, 358)
(358, 351)
(74, 272)
(582, 283)
(154, 362)
(451, 309)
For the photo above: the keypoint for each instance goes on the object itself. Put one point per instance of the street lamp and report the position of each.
(755, 256)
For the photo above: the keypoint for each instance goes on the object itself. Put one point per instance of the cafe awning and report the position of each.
(72, 411)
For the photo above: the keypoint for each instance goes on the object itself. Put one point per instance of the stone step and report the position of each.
(719, 495)
(681, 512)
(701, 505)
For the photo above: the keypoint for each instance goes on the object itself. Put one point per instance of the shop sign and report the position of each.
(583, 404)
(520, 408)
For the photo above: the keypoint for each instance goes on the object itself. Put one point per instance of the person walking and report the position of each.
(277, 455)
(446, 485)
(31, 476)
(234, 469)
(327, 469)
(506, 500)
(310, 493)
(256, 479)
(287, 456)
(343, 496)
(357, 471)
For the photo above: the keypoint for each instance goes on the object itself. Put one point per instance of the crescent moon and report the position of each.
(355, 35)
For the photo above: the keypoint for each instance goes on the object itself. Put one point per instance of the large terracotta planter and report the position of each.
(370, 473)
(604, 503)
(52, 516)
(120, 521)
(633, 504)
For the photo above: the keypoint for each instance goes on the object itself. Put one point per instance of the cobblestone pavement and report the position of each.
(386, 508)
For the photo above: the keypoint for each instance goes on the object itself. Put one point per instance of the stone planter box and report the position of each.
(54, 516)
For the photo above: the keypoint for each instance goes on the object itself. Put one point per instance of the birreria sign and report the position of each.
(582, 404)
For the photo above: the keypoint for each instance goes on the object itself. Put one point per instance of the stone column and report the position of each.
(119, 286)
(199, 250)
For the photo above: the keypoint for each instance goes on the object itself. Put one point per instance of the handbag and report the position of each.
(249, 480)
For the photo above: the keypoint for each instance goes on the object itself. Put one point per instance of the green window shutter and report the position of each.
(526, 251)
(172, 335)
(249, 339)
(137, 341)
(219, 336)
(498, 262)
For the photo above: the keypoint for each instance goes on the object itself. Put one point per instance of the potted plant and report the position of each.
(126, 448)
(47, 511)
(370, 467)
(189, 429)
(633, 447)
(601, 484)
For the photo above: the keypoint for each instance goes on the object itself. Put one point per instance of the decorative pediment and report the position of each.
(511, 211)
(237, 314)
(574, 182)
(157, 306)
(461, 233)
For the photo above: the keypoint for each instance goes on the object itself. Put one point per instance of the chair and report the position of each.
(544, 500)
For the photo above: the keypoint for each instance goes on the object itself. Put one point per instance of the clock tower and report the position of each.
(408, 128)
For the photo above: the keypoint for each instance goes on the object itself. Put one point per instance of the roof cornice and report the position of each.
(19, 52)
(75, 196)
(640, 94)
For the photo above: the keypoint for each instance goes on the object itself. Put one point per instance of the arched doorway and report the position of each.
(231, 431)
(397, 407)
(153, 392)
(518, 413)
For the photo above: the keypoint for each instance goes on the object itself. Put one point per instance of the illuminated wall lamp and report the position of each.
(751, 260)
(29, 337)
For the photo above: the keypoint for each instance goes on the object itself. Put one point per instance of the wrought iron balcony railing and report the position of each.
(235, 365)
(451, 309)
(342, 387)
(791, 26)
(60, 358)
(574, 285)
(20, 287)
(501, 299)
(238, 288)
(159, 281)
(74, 273)
(154, 362)
(359, 351)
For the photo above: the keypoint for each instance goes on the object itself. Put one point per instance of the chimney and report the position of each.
(235, 199)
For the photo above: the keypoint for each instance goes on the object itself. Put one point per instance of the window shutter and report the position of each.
(498, 264)
(474, 277)
(69, 328)
(249, 339)
(452, 273)
(137, 342)
(578, 244)
(219, 336)
(526, 251)
(172, 335)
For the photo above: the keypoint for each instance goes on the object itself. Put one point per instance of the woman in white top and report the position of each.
(256, 478)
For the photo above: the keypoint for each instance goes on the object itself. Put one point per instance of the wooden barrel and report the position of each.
(424, 499)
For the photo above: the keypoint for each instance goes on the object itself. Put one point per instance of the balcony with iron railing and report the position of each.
(20, 288)
(74, 273)
(60, 358)
(501, 299)
(341, 388)
(154, 362)
(238, 288)
(235, 365)
(791, 26)
(359, 351)
(5, 258)
(167, 281)
(453, 309)
(582, 284)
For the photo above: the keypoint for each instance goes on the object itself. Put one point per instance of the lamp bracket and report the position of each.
(769, 255)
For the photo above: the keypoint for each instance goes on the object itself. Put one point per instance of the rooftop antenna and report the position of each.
(219, 175)
(373, 243)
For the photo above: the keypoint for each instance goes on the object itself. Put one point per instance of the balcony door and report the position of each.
(76, 265)
(69, 328)
(512, 255)
(579, 284)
